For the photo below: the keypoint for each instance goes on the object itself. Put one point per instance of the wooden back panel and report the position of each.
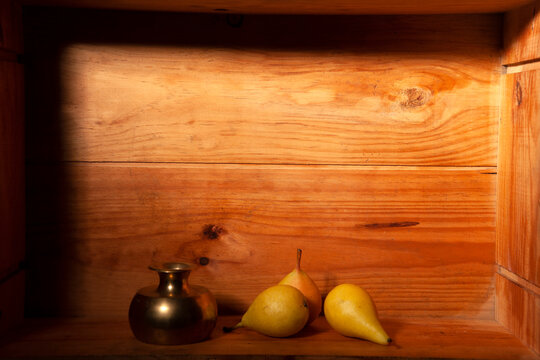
(296, 90)
(421, 240)
(237, 145)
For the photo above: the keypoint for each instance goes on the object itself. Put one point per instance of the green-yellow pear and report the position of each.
(278, 311)
(350, 311)
(300, 280)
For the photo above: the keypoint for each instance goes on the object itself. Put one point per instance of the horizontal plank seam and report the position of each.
(518, 280)
(471, 167)
(522, 66)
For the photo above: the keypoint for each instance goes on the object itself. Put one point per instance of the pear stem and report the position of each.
(298, 258)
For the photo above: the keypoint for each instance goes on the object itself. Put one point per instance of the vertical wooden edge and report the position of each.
(11, 302)
(503, 166)
(12, 195)
(521, 34)
(12, 168)
(518, 309)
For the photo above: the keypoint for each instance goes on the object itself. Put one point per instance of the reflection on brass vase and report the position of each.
(174, 312)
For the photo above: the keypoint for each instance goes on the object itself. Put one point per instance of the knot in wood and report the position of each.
(212, 232)
(519, 93)
(414, 97)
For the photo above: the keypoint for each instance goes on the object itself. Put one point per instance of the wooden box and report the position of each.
(397, 143)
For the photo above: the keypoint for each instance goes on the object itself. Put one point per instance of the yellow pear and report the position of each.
(350, 311)
(301, 280)
(278, 311)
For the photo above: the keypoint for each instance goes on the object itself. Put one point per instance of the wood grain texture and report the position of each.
(345, 7)
(11, 37)
(420, 239)
(518, 309)
(522, 34)
(285, 90)
(414, 339)
(518, 234)
(11, 167)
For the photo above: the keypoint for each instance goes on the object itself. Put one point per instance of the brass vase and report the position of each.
(174, 312)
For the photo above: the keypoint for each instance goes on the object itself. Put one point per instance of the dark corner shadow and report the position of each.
(47, 196)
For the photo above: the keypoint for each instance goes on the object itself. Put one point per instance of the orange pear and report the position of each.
(301, 280)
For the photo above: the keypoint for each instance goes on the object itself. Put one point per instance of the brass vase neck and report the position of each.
(173, 278)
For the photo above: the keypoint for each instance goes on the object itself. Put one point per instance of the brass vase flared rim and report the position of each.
(171, 267)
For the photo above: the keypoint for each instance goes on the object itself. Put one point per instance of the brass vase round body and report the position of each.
(174, 312)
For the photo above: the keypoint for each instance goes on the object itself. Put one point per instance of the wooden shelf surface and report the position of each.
(415, 339)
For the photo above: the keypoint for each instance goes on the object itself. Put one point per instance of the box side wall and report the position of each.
(518, 220)
(522, 34)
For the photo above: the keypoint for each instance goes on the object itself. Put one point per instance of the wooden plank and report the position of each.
(518, 309)
(414, 339)
(518, 280)
(265, 93)
(11, 37)
(11, 303)
(420, 239)
(522, 34)
(11, 167)
(523, 67)
(518, 234)
(344, 7)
